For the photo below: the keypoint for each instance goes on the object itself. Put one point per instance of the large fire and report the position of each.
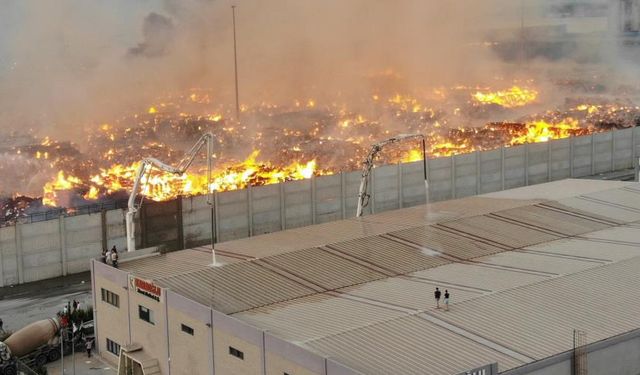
(275, 143)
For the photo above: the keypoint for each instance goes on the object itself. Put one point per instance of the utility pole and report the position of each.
(235, 61)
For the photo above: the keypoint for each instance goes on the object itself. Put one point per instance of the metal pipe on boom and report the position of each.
(363, 196)
(145, 167)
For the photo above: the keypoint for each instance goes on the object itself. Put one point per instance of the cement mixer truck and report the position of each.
(36, 344)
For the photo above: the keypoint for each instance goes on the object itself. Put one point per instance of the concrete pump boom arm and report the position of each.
(145, 167)
(363, 196)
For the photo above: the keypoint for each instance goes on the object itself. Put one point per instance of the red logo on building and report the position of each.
(148, 289)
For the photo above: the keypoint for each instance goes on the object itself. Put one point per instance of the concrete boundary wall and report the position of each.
(36, 251)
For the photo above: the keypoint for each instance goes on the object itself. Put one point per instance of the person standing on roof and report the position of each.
(114, 257)
(446, 300)
(437, 294)
(108, 256)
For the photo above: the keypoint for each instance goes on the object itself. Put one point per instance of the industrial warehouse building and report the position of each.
(531, 271)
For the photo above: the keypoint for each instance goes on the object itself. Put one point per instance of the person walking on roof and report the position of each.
(446, 300)
(437, 294)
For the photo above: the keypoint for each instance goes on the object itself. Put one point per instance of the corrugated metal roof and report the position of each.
(306, 237)
(603, 209)
(539, 319)
(510, 306)
(235, 287)
(551, 220)
(590, 249)
(498, 231)
(390, 255)
(175, 263)
(409, 293)
(315, 316)
(538, 262)
(478, 276)
(324, 269)
(447, 242)
(409, 345)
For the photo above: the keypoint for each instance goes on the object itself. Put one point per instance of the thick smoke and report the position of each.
(73, 62)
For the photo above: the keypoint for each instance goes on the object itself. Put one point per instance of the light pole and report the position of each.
(235, 61)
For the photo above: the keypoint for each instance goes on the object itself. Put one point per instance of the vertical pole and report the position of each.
(250, 209)
(103, 222)
(425, 167)
(372, 202)
(343, 196)
(235, 62)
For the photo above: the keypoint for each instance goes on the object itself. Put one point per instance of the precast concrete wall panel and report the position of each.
(351, 188)
(440, 179)
(412, 183)
(560, 159)
(196, 221)
(385, 181)
(537, 163)
(57, 247)
(582, 156)
(266, 213)
(515, 161)
(41, 250)
(82, 240)
(623, 149)
(8, 256)
(328, 198)
(160, 224)
(466, 178)
(233, 218)
(298, 203)
(602, 152)
(116, 232)
(490, 171)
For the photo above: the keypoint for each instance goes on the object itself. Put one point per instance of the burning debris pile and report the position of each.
(275, 143)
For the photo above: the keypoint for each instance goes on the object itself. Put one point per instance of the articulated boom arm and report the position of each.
(145, 167)
(363, 196)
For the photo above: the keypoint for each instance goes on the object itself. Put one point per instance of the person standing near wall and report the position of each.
(437, 295)
(114, 257)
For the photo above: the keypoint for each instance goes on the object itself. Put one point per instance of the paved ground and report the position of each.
(83, 366)
(27, 303)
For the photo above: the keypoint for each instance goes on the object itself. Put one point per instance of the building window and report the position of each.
(113, 347)
(145, 314)
(187, 329)
(236, 353)
(110, 298)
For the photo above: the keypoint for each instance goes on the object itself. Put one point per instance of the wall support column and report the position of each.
(19, 269)
(62, 232)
